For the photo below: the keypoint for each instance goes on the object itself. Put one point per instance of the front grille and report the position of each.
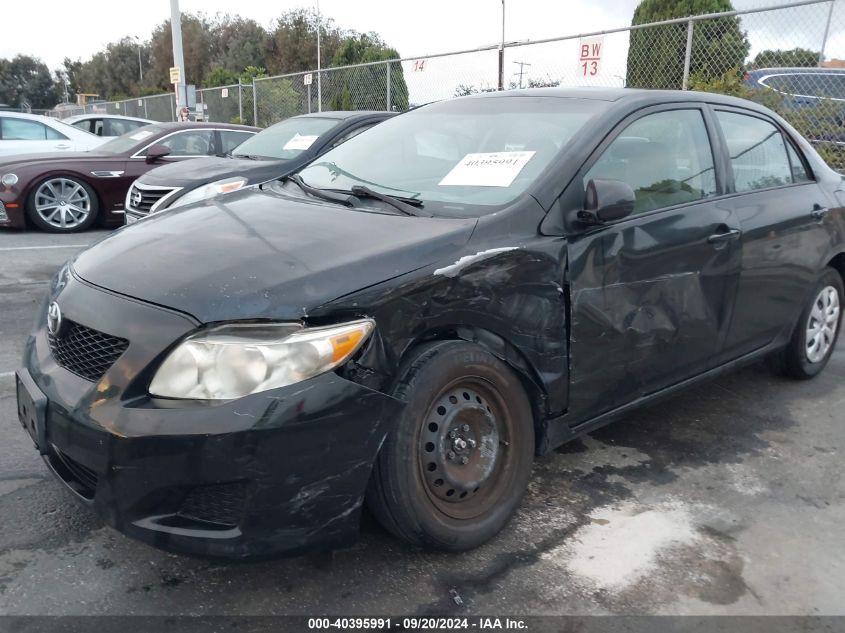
(220, 503)
(76, 472)
(148, 199)
(86, 352)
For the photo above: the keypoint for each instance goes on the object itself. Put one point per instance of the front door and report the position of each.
(651, 294)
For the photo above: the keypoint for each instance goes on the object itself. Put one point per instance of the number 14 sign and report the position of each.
(589, 57)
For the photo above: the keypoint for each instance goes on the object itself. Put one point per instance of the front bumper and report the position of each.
(11, 216)
(274, 472)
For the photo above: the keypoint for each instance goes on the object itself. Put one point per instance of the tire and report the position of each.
(62, 204)
(455, 467)
(806, 355)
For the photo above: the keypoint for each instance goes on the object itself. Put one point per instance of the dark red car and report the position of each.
(65, 192)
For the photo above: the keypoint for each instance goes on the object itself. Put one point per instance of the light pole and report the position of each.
(502, 52)
(140, 67)
(319, 78)
(178, 57)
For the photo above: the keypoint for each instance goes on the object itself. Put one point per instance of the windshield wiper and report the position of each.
(320, 193)
(408, 206)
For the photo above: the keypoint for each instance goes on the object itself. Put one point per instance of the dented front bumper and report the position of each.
(269, 473)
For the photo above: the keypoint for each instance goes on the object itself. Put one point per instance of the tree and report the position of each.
(794, 57)
(197, 47)
(220, 77)
(656, 54)
(238, 43)
(365, 87)
(26, 80)
(293, 42)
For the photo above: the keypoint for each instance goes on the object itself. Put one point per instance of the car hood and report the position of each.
(199, 171)
(56, 157)
(263, 255)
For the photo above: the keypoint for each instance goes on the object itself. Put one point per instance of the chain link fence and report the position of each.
(790, 57)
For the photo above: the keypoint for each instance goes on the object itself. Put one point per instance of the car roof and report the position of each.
(641, 96)
(190, 125)
(797, 70)
(26, 115)
(94, 115)
(344, 114)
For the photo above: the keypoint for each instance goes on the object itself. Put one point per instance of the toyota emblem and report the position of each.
(54, 319)
(136, 198)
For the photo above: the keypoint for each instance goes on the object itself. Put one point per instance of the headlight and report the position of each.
(232, 361)
(9, 180)
(227, 185)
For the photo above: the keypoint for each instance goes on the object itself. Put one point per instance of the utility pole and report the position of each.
(319, 78)
(140, 67)
(178, 57)
(502, 52)
(521, 72)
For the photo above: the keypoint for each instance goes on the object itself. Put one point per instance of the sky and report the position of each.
(414, 29)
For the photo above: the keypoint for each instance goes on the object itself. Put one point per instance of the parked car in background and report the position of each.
(413, 316)
(22, 133)
(816, 94)
(800, 87)
(278, 150)
(70, 192)
(106, 124)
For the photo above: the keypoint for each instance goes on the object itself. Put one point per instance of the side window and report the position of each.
(190, 143)
(799, 172)
(84, 124)
(23, 130)
(665, 158)
(230, 140)
(757, 152)
(53, 134)
(113, 127)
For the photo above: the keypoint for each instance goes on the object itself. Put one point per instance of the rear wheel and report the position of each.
(456, 465)
(817, 331)
(62, 204)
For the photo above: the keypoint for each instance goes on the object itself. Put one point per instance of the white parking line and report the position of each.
(32, 248)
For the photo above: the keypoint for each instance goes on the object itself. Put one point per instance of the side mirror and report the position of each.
(607, 201)
(154, 152)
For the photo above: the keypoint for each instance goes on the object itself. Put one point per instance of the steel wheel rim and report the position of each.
(469, 420)
(822, 324)
(62, 203)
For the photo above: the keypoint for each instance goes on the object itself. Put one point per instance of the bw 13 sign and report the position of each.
(589, 56)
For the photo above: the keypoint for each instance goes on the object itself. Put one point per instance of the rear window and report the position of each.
(822, 85)
(287, 139)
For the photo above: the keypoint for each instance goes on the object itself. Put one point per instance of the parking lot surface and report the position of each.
(727, 499)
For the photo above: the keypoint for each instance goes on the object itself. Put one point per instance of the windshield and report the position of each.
(125, 142)
(460, 158)
(287, 139)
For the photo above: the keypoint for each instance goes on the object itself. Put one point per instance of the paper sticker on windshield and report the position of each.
(140, 136)
(300, 142)
(493, 169)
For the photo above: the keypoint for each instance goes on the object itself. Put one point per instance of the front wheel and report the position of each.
(62, 204)
(456, 464)
(817, 331)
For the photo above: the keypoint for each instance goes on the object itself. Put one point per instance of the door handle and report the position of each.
(63, 146)
(719, 239)
(819, 212)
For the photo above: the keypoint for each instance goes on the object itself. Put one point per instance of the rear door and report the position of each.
(651, 294)
(782, 213)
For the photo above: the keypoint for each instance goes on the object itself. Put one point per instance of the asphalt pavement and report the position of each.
(727, 499)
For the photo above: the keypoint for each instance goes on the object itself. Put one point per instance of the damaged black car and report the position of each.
(412, 318)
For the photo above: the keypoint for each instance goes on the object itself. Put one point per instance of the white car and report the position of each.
(106, 124)
(32, 133)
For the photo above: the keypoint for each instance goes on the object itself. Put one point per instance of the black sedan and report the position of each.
(414, 316)
(275, 152)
